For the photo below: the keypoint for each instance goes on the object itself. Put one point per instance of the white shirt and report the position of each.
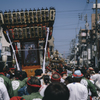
(3, 92)
(42, 89)
(62, 80)
(84, 82)
(95, 77)
(77, 91)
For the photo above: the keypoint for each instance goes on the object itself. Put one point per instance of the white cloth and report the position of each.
(62, 80)
(42, 89)
(3, 92)
(77, 91)
(95, 77)
(84, 82)
(91, 81)
(49, 73)
(15, 84)
(41, 80)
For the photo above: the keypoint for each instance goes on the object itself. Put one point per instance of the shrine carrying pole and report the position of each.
(43, 68)
(13, 51)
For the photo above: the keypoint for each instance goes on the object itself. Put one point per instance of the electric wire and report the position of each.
(71, 10)
(79, 22)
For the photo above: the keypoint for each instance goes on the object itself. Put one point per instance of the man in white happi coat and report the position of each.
(96, 76)
(77, 90)
(3, 92)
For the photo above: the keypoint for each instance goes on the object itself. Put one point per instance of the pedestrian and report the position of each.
(3, 92)
(77, 90)
(23, 91)
(17, 83)
(63, 76)
(38, 73)
(46, 82)
(56, 91)
(6, 81)
(53, 70)
(55, 77)
(33, 86)
(90, 70)
(96, 76)
(11, 73)
(70, 71)
(88, 84)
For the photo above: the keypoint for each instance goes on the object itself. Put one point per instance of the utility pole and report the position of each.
(88, 43)
(96, 57)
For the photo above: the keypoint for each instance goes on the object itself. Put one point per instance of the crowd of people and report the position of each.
(63, 83)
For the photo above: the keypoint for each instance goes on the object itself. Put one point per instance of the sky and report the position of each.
(67, 22)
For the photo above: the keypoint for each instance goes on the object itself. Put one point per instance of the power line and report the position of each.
(79, 20)
(71, 11)
(62, 41)
(71, 24)
(67, 29)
